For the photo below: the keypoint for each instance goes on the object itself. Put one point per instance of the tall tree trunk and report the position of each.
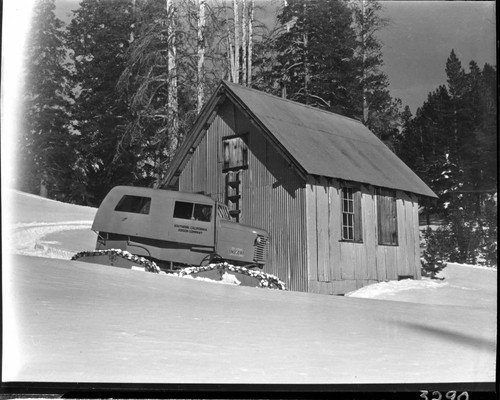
(44, 192)
(306, 58)
(250, 44)
(132, 37)
(285, 4)
(172, 106)
(244, 42)
(236, 42)
(230, 50)
(364, 75)
(201, 53)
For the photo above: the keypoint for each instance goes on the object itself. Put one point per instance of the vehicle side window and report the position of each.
(202, 212)
(183, 210)
(197, 212)
(134, 204)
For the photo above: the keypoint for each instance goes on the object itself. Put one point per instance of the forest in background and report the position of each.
(109, 97)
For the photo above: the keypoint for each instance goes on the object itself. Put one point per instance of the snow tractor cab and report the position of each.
(174, 229)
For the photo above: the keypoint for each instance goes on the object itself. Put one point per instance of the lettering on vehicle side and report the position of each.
(190, 229)
(236, 252)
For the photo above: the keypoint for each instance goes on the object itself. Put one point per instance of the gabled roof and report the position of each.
(316, 141)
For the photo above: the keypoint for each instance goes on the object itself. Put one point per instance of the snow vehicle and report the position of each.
(170, 231)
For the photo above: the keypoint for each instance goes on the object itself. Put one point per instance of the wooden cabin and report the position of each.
(340, 207)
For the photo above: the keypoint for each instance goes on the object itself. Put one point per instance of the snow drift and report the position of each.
(69, 321)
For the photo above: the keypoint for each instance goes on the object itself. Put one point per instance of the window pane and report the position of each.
(202, 212)
(235, 152)
(134, 204)
(183, 210)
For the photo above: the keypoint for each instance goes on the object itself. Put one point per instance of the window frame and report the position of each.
(353, 214)
(241, 158)
(134, 204)
(195, 207)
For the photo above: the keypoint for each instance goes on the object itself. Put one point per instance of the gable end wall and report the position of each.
(273, 195)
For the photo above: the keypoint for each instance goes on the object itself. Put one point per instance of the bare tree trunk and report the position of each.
(201, 53)
(236, 42)
(44, 192)
(244, 42)
(132, 37)
(230, 50)
(363, 49)
(285, 3)
(250, 44)
(306, 58)
(285, 78)
(172, 106)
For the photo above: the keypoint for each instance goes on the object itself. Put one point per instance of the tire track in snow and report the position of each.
(27, 238)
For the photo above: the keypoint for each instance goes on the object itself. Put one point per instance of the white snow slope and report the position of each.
(68, 321)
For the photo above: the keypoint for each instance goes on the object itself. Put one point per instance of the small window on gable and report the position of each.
(235, 153)
(387, 218)
(134, 204)
(351, 214)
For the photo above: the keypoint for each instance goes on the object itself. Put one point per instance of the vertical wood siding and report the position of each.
(303, 218)
(272, 195)
(337, 266)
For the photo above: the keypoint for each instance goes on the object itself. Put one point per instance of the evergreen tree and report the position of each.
(46, 146)
(454, 135)
(99, 36)
(486, 129)
(315, 55)
(150, 84)
(379, 111)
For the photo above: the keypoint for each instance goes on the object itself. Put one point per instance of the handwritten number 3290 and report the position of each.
(451, 395)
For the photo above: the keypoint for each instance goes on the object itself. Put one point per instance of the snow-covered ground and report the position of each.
(70, 321)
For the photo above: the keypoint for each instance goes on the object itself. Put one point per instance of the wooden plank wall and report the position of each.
(273, 196)
(303, 219)
(336, 267)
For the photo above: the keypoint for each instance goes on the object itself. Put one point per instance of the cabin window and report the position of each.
(134, 204)
(351, 214)
(192, 211)
(387, 218)
(235, 153)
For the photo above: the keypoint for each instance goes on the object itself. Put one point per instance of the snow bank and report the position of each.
(459, 285)
(80, 322)
(69, 321)
(392, 288)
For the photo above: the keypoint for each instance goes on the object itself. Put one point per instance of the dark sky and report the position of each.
(421, 36)
(418, 40)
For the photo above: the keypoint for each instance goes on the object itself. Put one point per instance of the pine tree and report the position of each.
(315, 58)
(150, 85)
(379, 111)
(452, 139)
(99, 36)
(46, 146)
